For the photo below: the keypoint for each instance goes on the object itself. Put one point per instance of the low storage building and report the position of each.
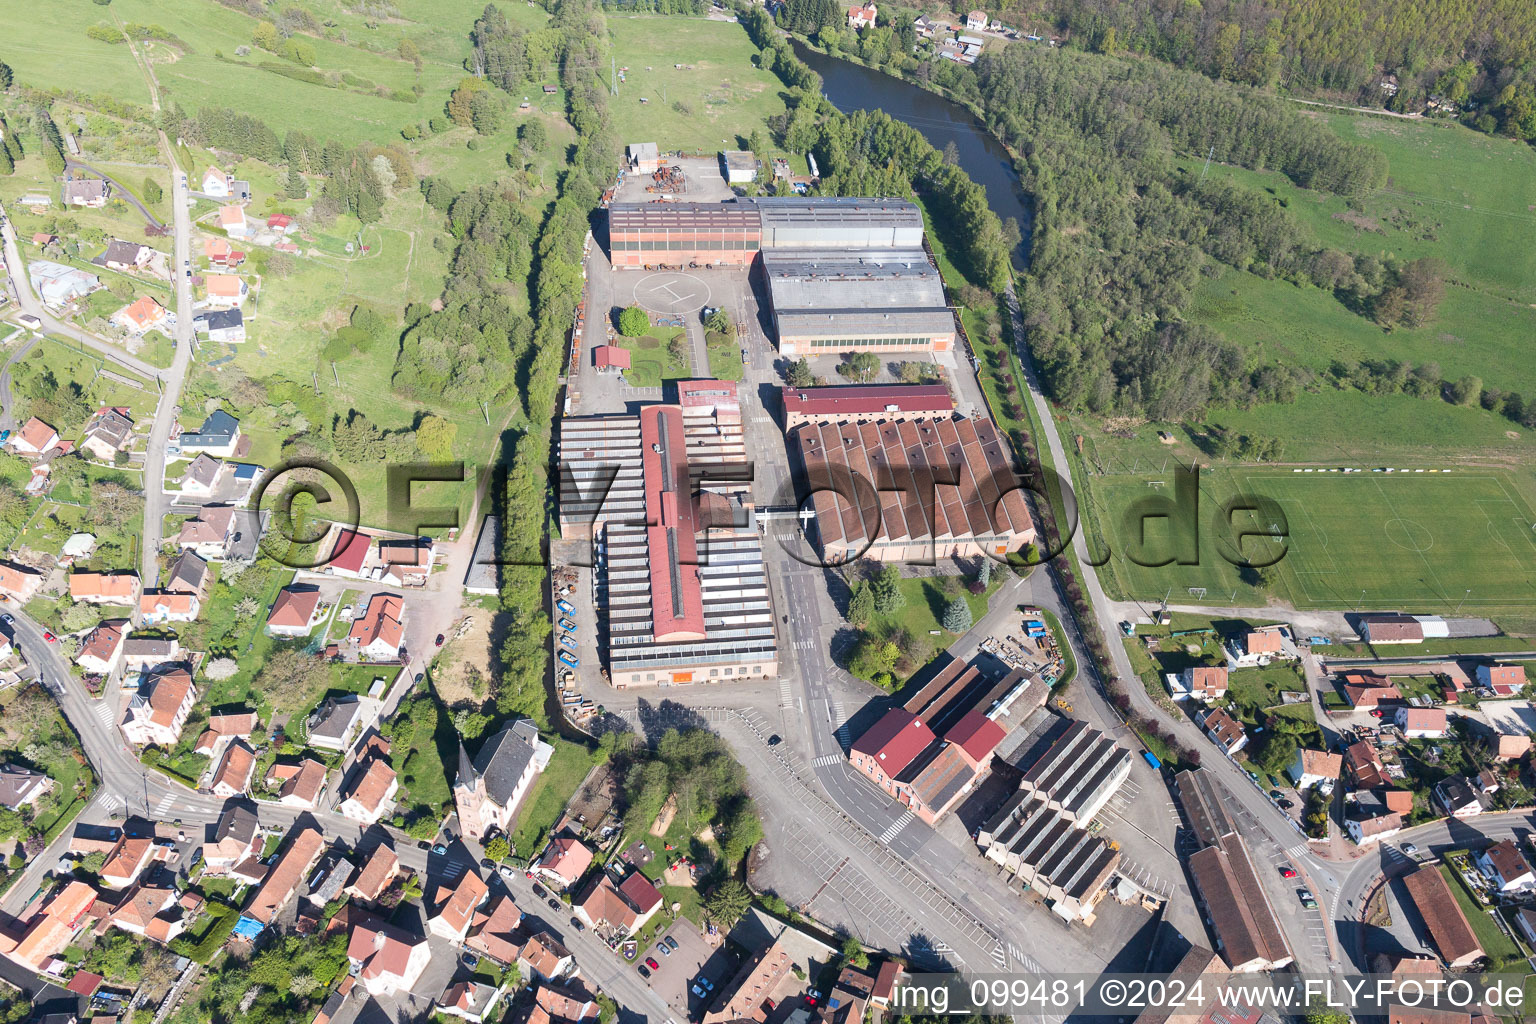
(857, 300)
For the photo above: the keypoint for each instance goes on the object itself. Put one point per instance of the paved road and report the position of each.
(7, 420)
(156, 501)
(26, 298)
(1270, 823)
(125, 194)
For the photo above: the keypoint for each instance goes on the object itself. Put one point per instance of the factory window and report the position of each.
(714, 672)
(730, 671)
(650, 677)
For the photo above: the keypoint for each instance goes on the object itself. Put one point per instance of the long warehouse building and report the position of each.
(847, 300)
(681, 584)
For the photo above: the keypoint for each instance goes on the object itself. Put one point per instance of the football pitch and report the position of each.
(1429, 541)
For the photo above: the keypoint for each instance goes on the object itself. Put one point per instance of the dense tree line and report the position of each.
(1125, 226)
(1482, 51)
(557, 287)
(694, 768)
(508, 55)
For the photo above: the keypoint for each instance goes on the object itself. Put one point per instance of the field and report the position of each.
(651, 359)
(714, 103)
(1429, 542)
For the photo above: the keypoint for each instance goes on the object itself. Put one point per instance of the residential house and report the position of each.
(749, 995)
(1369, 818)
(232, 776)
(295, 611)
(232, 220)
(1363, 767)
(1506, 867)
(210, 533)
(564, 861)
(1503, 680)
(338, 720)
(570, 1005)
(976, 21)
(152, 911)
(407, 563)
(222, 728)
(330, 878)
(303, 787)
(1421, 723)
(1505, 739)
(861, 17)
(544, 957)
(1459, 798)
(1200, 682)
(1315, 768)
(188, 574)
(218, 251)
(78, 546)
(372, 793)
(58, 284)
(156, 606)
(236, 839)
(1447, 926)
(35, 438)
(19, 582)
(201, 477)
(141, 315)
(221, 325)
(159, 709)
(377, 876)
(1224, 730)
(218, 436)
(292, 865)
(1365, 692)
(488, 791)
(456, 905)
(42, 239)
(118, 588)
(379, 631)
(216, 184)
(131, 855)
(21, 787)
(885, 983)
(91, 192)
(279, 223)
(387, 959)
(469, 999)
(348, 554)
(52, 928)
(109, 431)
(101, 648)
(126, 256)
(1257, 647)
(623, 907)
(497, 932)
(226, 290)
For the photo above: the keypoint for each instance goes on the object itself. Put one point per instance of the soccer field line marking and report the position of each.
(1429, 569)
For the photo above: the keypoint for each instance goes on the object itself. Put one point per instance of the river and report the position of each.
(854, 87)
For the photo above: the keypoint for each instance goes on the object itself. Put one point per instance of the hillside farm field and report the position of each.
(1413, 540)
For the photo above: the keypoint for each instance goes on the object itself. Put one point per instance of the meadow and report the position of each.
(714, 102)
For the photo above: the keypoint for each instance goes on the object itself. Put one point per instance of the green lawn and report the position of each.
(1489, 935)
(712, 106)
(551, 791)
(1414, 540)
(651, 358)
(724, 356)
(926, 599)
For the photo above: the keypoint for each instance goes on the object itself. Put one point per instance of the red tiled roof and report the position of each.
(380, 622)
(350, 551)
(677, 603)
(294, 607)
(976, 734)
(605, 356)
(894, 740)
(860, 399)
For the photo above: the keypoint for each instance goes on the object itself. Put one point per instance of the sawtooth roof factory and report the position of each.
(844, 274)
(680, 581)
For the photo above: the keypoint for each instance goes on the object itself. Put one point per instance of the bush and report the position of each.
(634, 322)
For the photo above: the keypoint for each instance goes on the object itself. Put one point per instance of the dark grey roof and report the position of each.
(204, 469)
(237, 822)
(189, 570)
(17, 782)
(218, 429)
(219, 319)
(505, 757)
(334, 716)
(119, 251)
(112, 427)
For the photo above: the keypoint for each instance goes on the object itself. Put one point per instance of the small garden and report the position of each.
(657, 351)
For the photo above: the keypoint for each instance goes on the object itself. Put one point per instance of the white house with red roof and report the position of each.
(1503, 680)
(862, 17)
(380, 630)
(141, 315)
(232, 220)
(349, 553)
(35, 438)
(565, 860)
(216, 183)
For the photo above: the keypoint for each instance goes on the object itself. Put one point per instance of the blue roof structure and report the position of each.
(248, 927)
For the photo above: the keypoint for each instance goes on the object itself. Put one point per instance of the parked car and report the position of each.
(1410, 849)
(670, 941)
(50, 637)
(576, 923)
(644, 972)
(775, 740)
(422, 844)
(1286, 805)
(488, 864)
(507, 871)
(1275, 794)
(650, 962)
(1287, 872)
(439, 641)
(540, 891)
(440, 849)
(1307, 899)
(554, 904)
(661, 947)
(7, 619)
(697, 991)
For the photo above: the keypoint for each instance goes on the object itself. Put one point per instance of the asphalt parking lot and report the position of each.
(692, 959)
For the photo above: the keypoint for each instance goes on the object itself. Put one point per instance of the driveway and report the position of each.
(123, 193)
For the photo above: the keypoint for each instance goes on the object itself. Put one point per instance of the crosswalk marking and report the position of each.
(164, 804)
(105, 712)
(1000, 956)
(111, 802)
(1299, 850)
(826, 759)
(896, 826)
(785, 697)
